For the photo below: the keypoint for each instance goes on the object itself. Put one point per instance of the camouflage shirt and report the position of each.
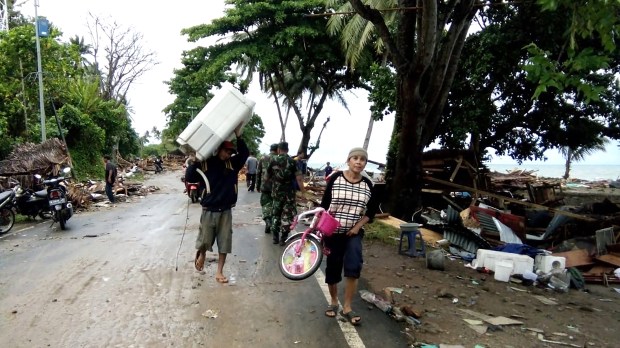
(263, 182)
(282, 171)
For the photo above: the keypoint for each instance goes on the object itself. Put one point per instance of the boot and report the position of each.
(276, 238)
(267, 227)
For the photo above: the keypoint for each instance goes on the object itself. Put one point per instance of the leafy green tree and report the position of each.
(19, 78)
(299, 63)
(587, 21)
(491, 100)
(423, 46)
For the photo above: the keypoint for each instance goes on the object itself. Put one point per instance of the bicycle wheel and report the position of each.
(301, 267)
(7, 219)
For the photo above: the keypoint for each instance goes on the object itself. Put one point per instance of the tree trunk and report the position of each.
(569, 156)
(406, 186)
(371, 122)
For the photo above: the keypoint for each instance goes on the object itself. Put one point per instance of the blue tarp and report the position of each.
(521, 249)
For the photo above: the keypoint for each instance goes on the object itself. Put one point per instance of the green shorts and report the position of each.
(215, 226)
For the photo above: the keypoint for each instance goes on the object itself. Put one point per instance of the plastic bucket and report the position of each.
(327, 224)
(503, 270)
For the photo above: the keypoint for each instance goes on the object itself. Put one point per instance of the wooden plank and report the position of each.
(598, 270)
(458, 166)
(575, 258)
(491, 320)
(512, 200)
(609, 259)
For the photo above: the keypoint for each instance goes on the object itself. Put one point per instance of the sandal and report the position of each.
(331, 311)
(199, 261)
(352, 317)
(221, 280)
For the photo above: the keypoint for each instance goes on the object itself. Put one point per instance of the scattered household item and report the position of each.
(548, 263)
(558, 284)
(411, 231)
(434, 260)
(503, 270)
(489, 258)
(216, 122)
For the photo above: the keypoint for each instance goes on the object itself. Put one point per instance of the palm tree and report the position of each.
(579, 153)
(83, 48)
(356, 33)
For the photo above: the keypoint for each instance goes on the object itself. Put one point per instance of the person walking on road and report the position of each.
(283, 172)
(110, 178)
(348, 198)
(328, 170)
(222, 173)
(250, 176)
(263, 185)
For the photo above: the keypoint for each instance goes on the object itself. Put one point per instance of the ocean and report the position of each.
(588, 172)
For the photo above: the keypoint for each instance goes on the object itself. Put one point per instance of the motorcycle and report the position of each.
(193, 191)
(159, 165)
(7, 215)
(31, 202)
(58, 205)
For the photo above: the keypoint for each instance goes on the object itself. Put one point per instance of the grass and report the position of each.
(384, 233)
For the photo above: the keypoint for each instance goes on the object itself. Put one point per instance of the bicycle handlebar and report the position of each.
(309, 212)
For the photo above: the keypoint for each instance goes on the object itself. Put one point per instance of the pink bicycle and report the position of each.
(303, 251)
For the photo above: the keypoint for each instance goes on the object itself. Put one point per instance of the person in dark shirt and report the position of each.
(328, 170)
(220, 197)
(110, 178)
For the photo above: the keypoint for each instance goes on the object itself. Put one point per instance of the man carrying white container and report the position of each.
(222, 172)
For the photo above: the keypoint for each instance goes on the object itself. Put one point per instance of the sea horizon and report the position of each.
(586, 172)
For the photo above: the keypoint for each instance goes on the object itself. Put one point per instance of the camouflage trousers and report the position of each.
(266, 203)
(283, 213)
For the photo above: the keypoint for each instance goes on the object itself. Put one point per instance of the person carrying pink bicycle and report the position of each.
(349, 199)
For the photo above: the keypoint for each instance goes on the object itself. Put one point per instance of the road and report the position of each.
(112, 280)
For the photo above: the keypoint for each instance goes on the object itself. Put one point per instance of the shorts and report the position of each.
(215, 227)
(345, 253)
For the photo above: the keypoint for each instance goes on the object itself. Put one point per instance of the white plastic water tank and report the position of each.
(216, 122)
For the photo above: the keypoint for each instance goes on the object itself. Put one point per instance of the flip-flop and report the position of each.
(351, 317)
(331, 309)
(199, 261)
(221, 280)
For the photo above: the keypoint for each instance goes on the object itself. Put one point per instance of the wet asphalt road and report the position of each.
(112, 280)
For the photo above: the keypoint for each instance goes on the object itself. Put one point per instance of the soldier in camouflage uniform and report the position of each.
(263, 185)
(283, 172)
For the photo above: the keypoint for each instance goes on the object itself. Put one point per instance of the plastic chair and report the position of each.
(411, 231)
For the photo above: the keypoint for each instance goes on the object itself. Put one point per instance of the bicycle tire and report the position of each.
(7, 220)
(303, 266)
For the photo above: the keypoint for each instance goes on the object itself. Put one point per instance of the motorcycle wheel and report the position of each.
(62, 220)
(7, 220)
(194, 195)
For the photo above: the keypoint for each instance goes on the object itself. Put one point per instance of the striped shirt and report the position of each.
(347, 202)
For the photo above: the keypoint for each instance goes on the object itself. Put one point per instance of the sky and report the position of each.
(161, 26)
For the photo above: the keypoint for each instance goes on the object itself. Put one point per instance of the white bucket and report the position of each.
(503, 270)
(216, 122)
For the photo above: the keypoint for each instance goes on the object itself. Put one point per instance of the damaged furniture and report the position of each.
(411, 231)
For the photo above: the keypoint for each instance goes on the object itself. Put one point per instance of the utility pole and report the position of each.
(4, 15)
(39, 72)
